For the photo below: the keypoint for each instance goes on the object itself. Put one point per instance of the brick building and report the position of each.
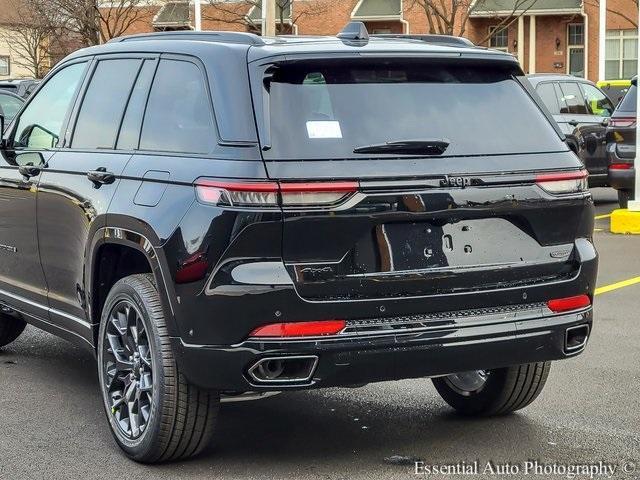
(554, 36)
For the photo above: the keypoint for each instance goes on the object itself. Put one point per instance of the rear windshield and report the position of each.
(325, 110)
(628, 103)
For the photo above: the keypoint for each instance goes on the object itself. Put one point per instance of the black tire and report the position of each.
(504, 391)
(11, 327)
(623, 198)
(180, 417)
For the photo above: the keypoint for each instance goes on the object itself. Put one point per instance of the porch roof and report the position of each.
(377, 10)
(173, 14)
(497, 8)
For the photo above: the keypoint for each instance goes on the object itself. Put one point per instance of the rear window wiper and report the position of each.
(412, 147)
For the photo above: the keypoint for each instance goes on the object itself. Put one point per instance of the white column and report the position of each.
(634, 205)
(198, 15)
(602, 39)
(532, 44)
(521, 40)
(268, 18)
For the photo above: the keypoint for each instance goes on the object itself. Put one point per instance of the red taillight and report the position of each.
(563, 182)
(300, 329)
(622, 122)
(620, 166)
(569, 303)
(269, 194)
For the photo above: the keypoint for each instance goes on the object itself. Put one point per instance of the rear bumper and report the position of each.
(364, 359)
(620, 179)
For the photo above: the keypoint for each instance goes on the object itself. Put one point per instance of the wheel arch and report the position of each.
(129, 252)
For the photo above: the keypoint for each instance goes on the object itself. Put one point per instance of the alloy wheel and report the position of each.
(467, 383)
(127, 366)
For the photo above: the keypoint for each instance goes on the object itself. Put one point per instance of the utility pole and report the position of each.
(602, 39)
(198, 15)
(268, 18)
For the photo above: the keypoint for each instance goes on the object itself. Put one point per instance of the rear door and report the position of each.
(588, 129)
(78, 184)
(373, 205)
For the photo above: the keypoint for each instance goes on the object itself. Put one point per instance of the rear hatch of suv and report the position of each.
(404, 177)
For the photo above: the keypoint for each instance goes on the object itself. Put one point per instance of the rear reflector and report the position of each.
(563, 182)
(300, 329)
(569, 303)
(620, 166)
(269, 194)
(622, 122)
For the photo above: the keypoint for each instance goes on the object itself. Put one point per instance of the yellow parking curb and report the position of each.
(624, 221)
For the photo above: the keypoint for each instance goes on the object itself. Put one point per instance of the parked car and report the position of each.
(582, 111)
(22, 87)
(225, 216)
(615, 89)
(621, 146)
(10, 104)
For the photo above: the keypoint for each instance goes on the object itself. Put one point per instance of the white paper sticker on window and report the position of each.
(324, 129)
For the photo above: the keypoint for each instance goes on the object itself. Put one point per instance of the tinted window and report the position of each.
(628, 103)
(572, 96)
(41, 122)
(9, 106)
(548, 95)
(104, 103)
(178, 116)
(130, 130)
(324, 110)
(597, 102)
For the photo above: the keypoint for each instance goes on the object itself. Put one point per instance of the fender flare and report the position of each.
(146, 243)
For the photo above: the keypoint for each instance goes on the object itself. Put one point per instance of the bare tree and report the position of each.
(450, 17)
(237, 12)
(29, 38)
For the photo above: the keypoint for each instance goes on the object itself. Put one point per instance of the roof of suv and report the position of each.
(187, 42)
(536, 78)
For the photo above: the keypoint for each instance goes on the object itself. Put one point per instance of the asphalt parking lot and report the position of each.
(52, 424)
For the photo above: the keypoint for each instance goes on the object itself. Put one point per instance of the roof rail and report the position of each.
(447, 40)
(221, 37)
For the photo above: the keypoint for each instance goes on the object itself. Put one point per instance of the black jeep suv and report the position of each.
(222, 216)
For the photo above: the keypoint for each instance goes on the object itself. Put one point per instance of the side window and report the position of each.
(572, 96)
(132, 121)
(178, 117)
(548, 96)
(104, 103)
(597, 102)
(41, 121)
(9, 106)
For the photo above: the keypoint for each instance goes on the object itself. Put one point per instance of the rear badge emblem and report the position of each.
(560, 253)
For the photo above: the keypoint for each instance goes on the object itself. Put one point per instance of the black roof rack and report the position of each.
(447, 40)
(221, 37)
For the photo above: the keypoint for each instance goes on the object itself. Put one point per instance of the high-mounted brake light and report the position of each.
(622, 122)
(567, 304)
(563, 182)
(300, 329)
(269, 194)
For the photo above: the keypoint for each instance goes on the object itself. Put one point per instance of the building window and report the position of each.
(576, 34)
(499, 39)
(5, 66)
(575, 49)
(621, 54)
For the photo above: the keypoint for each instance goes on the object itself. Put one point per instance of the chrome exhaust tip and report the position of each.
(281, 370)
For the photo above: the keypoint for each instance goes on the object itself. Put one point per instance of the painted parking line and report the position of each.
(617, 285)
(601, 217)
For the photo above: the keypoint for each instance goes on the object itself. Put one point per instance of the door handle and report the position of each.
(573, 123)
(100, 176)
(29, 171)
